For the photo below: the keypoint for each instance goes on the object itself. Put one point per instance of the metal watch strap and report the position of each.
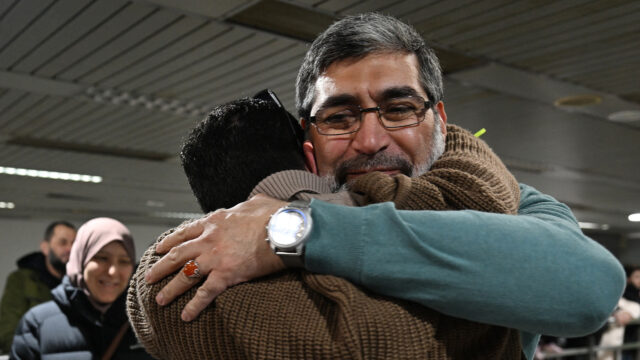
(294, 259)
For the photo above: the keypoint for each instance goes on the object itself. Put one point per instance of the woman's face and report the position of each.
(107, 273)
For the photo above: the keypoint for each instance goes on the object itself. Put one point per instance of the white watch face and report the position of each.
(285, 228)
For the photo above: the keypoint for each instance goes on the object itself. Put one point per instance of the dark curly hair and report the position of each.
(236, 146)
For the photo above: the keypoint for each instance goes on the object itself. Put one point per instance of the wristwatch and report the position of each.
(288, 230)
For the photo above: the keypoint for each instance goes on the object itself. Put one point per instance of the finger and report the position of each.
(172, 261)
(182, 234)
(179, 285)
(207, 292)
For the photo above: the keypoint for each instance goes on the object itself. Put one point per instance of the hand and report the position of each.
(622, 317)
(229, 246)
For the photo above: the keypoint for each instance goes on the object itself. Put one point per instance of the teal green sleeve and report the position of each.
(534, 271)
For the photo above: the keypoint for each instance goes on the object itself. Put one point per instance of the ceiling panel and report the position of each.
(112, 87)
(20, 16)
(53, 18)
(89, 19)
(172, 51)
(126, 41)
(156, 42)
(198, 60)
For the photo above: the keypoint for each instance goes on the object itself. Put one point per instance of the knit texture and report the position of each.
(299, 315)
(468, 175)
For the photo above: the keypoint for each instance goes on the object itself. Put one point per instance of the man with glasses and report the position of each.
(369, 93)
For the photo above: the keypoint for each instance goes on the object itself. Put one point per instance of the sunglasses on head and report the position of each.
(269, 96)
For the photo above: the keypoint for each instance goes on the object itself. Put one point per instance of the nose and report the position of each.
(113, 269)
(372, 136)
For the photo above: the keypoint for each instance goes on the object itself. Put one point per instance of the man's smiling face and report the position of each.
(367, 82)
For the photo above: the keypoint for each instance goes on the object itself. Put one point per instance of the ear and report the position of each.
(309, 157)
(44, 247)
(443, 117)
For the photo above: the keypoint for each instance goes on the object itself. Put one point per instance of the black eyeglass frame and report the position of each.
(427, 106)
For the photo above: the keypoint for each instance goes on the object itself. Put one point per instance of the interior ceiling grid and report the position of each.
(124, 43)
(18, 17)
(34, 117)
(197, 61)
(23, 104)
(26, 112)
(7, 100)
(591, 58)
(41, 29)
(494, 31)
(95, 39)
(270, 71)
(570, 26)
(147, 49)
(336, 6)
(40, 126)
(248, 51)
(138, 121)
(404, 8)
(573, 42)
(281, 82)
(198, 49)
(366, 5)
(166, 53)
(157, 127)
(105, 128)
(462, 23)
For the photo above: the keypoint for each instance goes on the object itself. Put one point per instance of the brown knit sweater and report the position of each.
(299, 315)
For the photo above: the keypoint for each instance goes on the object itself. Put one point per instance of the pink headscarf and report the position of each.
(93, 236)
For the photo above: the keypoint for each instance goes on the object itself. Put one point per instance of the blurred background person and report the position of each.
(631, 293)
(86, 318)
(625, 312)
(38, 273)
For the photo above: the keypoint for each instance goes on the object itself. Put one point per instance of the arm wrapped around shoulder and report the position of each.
(300, 315)
(468, 175)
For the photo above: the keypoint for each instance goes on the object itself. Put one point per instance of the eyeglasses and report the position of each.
(392, 113)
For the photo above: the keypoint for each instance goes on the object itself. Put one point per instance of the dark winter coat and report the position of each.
(70, 328)
(25, 288)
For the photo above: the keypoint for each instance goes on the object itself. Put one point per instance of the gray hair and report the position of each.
(356, 37)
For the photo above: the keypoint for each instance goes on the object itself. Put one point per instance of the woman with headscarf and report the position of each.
(86, 318)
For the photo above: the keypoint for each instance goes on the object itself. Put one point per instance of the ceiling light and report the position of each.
(593, 226)
(177, 215)
(174, 106)
(579, 100)
(625, 116)
(49, 174)
(155, 203)
(7, 205)
(634, 217)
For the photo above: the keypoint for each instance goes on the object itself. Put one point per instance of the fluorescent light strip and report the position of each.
(593, 226)
(177, 215)
(7, 205)
(634, 217)
(55, 175)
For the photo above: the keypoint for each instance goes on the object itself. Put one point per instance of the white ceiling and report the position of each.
(111, 87)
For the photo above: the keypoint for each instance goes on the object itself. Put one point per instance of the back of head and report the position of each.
(357, 36)
(236, 146)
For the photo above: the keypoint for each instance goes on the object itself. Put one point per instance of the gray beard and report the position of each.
(337, 180)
